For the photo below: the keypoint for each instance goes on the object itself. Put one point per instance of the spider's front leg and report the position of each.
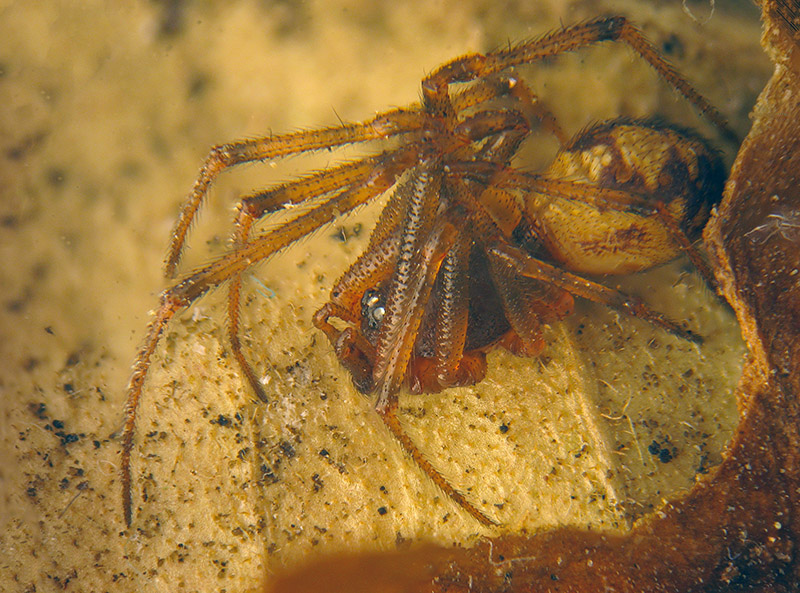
(318, 186)
(226, 156)
(231, 266)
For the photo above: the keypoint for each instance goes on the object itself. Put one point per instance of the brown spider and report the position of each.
(468, 253)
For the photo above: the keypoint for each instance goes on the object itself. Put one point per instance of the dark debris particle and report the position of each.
(382, 510)
(68, 388)
(664, 454)
(222, 420)
(324, 453)
(58, 424)
(67, 438)
(39, 410)
(504, 428)
(31, 491)
(287, 449)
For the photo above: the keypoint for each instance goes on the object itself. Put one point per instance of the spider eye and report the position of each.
(372, 308)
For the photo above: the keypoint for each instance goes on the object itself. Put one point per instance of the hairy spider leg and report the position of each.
(435, 87)
(226, 267)
(528, 266)
(506, 84)
(225, 156)
(253, 207)
(452, 365)
(526, 303)
(401, 327)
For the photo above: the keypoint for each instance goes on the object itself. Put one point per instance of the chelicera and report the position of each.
(469, 253)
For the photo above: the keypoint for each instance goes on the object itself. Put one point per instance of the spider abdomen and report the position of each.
(658, 166)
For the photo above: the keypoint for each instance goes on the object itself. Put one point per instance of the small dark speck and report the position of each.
(31, 492)
(553, 577)
(49, 330)
(382, 510)
(9, 221)
(664, 455)
(96, 444)
(287, 449)
(504, 428)
(198, 84)
(672, 46)
(222, 420)
(56, 176)
(68, 388)
(39, 410)
(66, 439)
(324, 453)
(58, 424)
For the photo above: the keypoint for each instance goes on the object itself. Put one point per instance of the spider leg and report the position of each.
(452, 317)
(231, 265)
(492, 87)
(255, 206)
(402, 324)
(531, 267)
(616, 28)
(526, 301)
(399, 327)
(424, 243)
(225, 156)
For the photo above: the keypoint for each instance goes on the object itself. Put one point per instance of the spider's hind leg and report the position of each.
(531, 267)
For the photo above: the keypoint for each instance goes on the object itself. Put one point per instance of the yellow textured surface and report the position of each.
(106, 114)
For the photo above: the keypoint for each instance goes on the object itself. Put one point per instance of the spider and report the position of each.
(468, 253)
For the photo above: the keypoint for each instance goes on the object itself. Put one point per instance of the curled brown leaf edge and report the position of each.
(738, 528)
